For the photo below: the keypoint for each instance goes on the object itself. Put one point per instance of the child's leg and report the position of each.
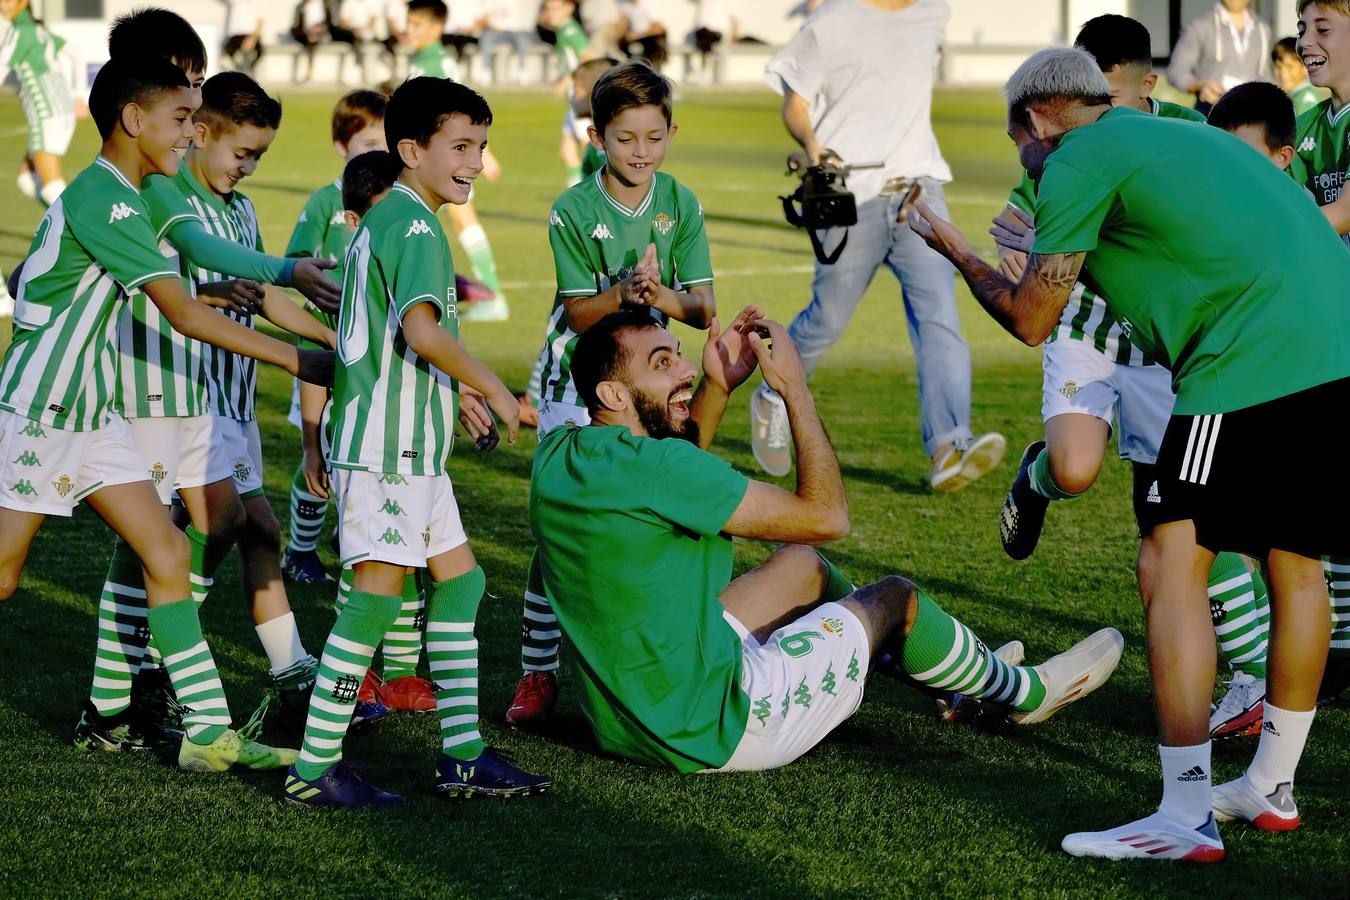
(260, 570)
(48, 168)
(474, 240)
(403, 642)
(308, 512)
(17, 530)
(452, 649)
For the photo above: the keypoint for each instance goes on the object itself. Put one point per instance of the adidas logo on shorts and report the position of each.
(119, 212)
(1194, 773)
(1153, 495)
(418, 227)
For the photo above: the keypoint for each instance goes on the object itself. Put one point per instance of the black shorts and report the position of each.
(1262, 478)
(1147, 502)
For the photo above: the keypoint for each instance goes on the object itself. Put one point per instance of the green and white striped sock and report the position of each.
(177, 632)
(346, 656)
(1338, 581)
(123, 632)
(452, 652)
(940, 652)
(344, 588)
(403, 642)
(1240, 608)
(540, 637)
(308, 512)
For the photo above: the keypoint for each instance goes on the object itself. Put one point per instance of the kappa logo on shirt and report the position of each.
(601, 232)
(555, 219)
(1308, 145)
(304, 217)
(418, 227)
(337, 219)
(119, 212)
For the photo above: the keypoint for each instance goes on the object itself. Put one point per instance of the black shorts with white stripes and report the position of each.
(1266, 477)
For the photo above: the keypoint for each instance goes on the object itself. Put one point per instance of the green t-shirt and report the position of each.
(433, 61)
(592, 160)
(394, 412)
(92, 249)
(570, 43)
(597, 241)
(1322, 153)
(628, 535)
(1213, 261)
(322, 231)
(1086, 316)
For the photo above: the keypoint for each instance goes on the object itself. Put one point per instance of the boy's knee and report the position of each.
(9, 581)
(1074, 473)
(169, 557)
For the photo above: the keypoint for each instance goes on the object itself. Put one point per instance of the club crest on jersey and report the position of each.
(601, 232)
(832, 626)
(119, 212)
(663, 223)
(1070, 388)
(418, 227)
(157, 473)
(63, 486)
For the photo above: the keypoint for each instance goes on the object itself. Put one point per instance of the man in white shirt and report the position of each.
(857, 84)
(1220, 49)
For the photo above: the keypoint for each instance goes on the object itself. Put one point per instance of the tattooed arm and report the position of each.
(1027, 309)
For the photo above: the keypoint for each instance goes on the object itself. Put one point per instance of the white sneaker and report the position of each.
(1075, 673)
(770, 436)
(1270, 812)
(966, 463)
(1153, 837)
(1240, 711)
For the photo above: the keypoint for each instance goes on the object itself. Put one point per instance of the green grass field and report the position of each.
(891, 804)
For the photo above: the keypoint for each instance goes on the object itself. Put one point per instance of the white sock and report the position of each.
(1283, 734)
(51, 191)
(473, 238)
(1186, 784)
(281, 642)
(28, 185)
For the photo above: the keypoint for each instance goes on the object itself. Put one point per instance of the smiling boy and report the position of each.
(1323, 131)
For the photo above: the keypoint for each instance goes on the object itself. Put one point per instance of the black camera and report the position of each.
(825, 203)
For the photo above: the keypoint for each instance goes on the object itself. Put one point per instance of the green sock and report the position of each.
(452, 652)
(307, 514)
(474, 240)
(403, 641)
(1240, 607)
(1043, 481)
(837, 587)
(1338, 580)
(123, 632)
(541, 638)
(346, 656)
(207, 556)
(177, 632)
(940, 652)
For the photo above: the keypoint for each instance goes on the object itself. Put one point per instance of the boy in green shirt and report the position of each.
(570, 44)
(1292, 76)
(47, 93)
(1323, 131)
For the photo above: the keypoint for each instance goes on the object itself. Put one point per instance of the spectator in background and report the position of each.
(642, 36)
(507, 22)
(463, 27)
(714, 22)
(309, 29)
(243, 29)
(1219, 50)
(364, 24)
(1292, 75)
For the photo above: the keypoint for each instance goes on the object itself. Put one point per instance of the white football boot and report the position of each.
(770, 436)
(1152, 837)
(1075, 673)
(1237, 799)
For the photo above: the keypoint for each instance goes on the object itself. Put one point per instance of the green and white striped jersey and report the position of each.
(30, 50)
(1086, 316)
(93, 248)
(393, 412)
(1322, 153)
(570, 43)
(231, 379)
(597, 241)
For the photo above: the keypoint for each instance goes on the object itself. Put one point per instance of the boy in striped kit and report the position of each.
(395, 402)
(60, 438)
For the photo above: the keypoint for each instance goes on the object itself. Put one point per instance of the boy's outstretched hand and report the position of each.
(309, 279)
(477, 419)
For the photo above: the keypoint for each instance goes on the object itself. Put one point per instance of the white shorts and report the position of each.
(553, 414)
(1079, 379)
(177, 452)
(803, 682)
(236, 449)
(399, 519)
(293, 416)
(51, 134)
(575, 126)
(49, 471)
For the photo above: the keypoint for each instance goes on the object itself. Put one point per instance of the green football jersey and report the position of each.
(433, 61)
(1238, 320)
(30, 50)
(1305, 97)
(597, 241)
(570, 43)
(231, 379)
(628, 536)
(393, 412)
(1322, 153)
(1086, 316)
(160, 373)
(92, 249)
(592, 161)
(321, 230)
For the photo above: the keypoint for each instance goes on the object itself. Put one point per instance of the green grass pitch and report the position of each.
(891, 804)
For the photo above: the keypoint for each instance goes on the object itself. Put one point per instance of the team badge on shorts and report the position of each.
(426, 536)
(157, 473)
(241, 472)
(63, 486)
(1070, 388)
(832, 626)
(663, 223)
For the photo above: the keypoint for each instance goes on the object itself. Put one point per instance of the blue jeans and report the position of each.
(928, 287)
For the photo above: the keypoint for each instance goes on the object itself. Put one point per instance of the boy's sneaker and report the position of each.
(304, 567)
(343, 784)
(1074, 674)
(369, 691)
(1152, 837)
(113, 734)
(1240, 711)
(770, 436)
(961, 709)
(408, 694)
(492, 773)
(536, 695)
(967, 462)
(368, 713)
(230, 749)
(1023, 514)
(1237, 799)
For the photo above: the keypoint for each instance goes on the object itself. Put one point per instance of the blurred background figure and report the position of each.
(1219, 50)
(714, 23)
(309, 29)
(643, 36)
(243, 35)
(510, 23)
(1292, 75)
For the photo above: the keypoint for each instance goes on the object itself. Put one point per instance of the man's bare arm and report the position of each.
(797, 118)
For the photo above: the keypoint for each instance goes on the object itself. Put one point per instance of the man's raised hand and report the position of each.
(308, 278)
(781, 363)
(941, 235)
(728, 357)
(1014, 230)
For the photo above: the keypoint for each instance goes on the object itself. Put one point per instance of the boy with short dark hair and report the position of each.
(628, 236)
(1261, 115)
(395, 402)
